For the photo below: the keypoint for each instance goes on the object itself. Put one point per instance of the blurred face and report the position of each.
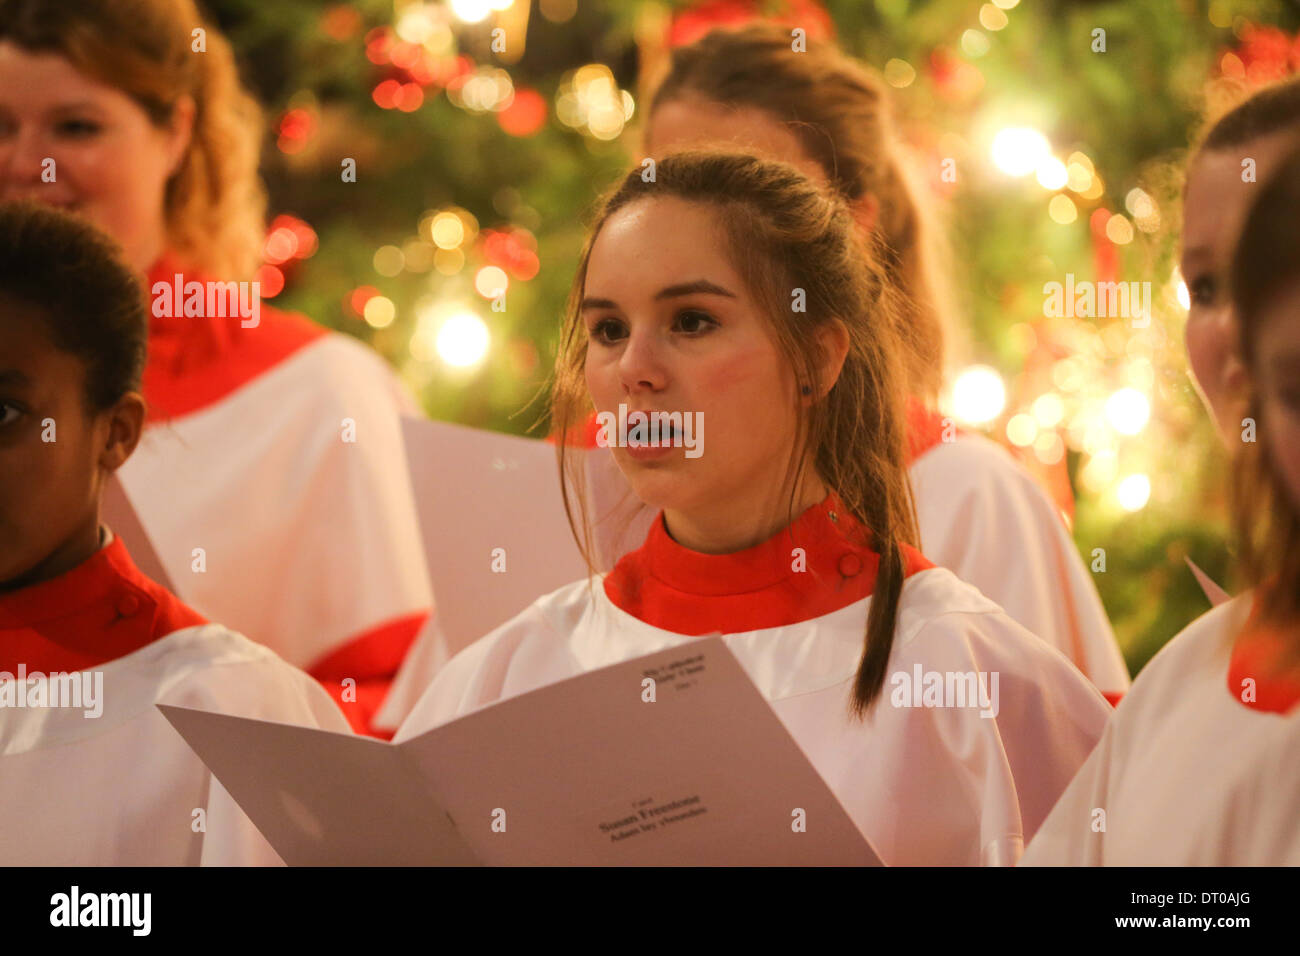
(49, 489)
(1278, 386)
(672, 327)
(1214, 208)
(111, 164)
(696, 122)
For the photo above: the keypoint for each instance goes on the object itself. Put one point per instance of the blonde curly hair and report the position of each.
(215, 204)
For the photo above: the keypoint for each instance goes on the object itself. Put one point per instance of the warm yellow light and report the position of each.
(1128, 411)
(1022, 429)
(978, 395)
(463, 340)
(1062, 209)
(1134, 492)
(1017, 150)
(379, 311)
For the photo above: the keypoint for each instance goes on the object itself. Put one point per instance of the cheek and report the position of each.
(1207, 349)
(746, 395)
(45, 488)
(603, 383)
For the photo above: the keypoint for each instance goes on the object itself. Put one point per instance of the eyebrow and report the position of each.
(76, 106)
(11, 376)
(696, 287)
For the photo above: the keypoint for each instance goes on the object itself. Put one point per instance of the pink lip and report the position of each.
(648, 452)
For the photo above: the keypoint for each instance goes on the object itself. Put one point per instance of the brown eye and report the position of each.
(607, 331)
(1201, 291)
(693, 321)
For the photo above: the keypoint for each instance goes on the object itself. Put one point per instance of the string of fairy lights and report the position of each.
(1095, 398)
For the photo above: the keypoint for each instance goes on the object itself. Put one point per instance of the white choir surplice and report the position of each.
(1200, 766)
(926, 785)
(123, 788)
(986, 519)
(272, 482)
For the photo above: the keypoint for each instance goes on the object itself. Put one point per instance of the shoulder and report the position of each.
(1198, 654)
(943, 619)
(345, 371)
(974, 462)
(213, 668)
(937, 596)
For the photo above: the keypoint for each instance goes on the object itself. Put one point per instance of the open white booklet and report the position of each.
(495, 534)
(587, 771)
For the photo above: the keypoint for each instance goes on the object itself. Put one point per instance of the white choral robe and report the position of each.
(123, 787)
(986, 519)
(1186, 774)
(276, 493)
(926, 785)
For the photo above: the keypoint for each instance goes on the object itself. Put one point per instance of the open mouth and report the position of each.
(642, 433)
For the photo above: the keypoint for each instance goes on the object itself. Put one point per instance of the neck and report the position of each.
(742, 522)
(75, 550)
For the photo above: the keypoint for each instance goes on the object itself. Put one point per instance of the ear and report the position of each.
(866, 208)
(125, 423)
(833, 345)
(180, 132)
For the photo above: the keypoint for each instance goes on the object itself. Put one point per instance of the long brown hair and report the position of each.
(215, 204)
(784, 232)
(840, 111)
(1266, 521)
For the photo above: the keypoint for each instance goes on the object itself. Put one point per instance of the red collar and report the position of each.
(1258, 654)
(99, 611)
(676, 589)
(197, 360)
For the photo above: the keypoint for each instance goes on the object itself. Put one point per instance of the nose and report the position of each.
(641, 366)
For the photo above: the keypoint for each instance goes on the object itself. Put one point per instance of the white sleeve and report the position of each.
(982, 777)
(1074, 832)
(476, 676)
(984, 518)
(267, 688)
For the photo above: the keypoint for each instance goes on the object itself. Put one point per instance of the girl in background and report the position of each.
(1198, 767)
(980, 514)
(272, 479)
(106, 781)
(792, 533)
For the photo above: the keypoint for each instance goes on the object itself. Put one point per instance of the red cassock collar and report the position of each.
(671, 587)
(1260, 653)
(195, 361)
(101, 610)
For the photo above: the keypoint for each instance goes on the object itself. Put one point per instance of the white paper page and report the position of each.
(321, 798)
(476, 491)
(586, 772)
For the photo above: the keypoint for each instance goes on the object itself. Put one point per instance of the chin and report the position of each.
(658, 487)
